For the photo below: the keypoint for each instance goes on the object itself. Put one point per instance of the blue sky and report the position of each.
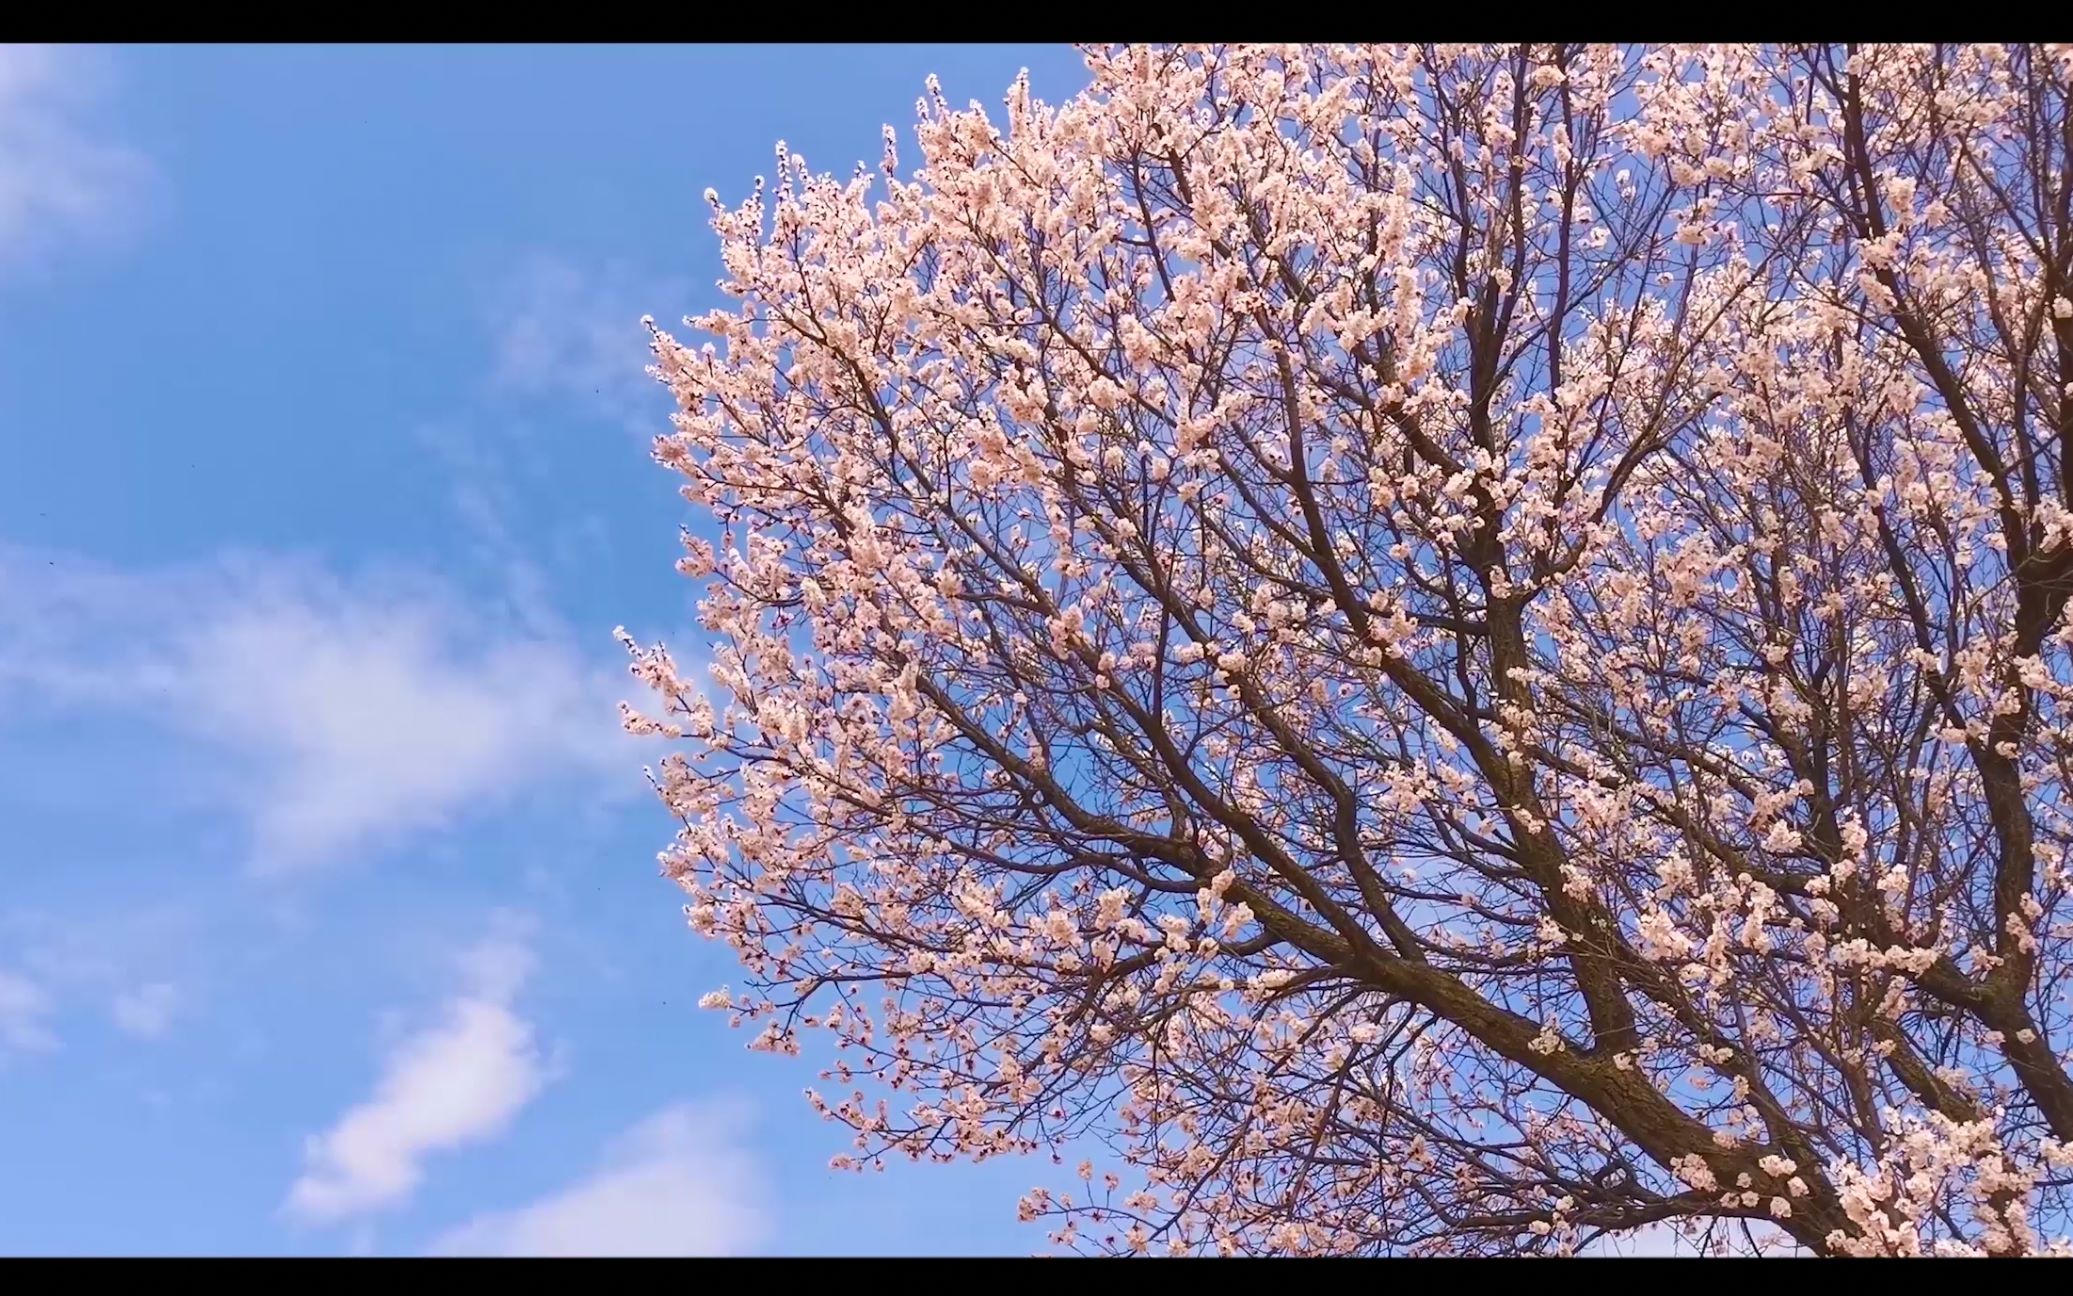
(329, 921)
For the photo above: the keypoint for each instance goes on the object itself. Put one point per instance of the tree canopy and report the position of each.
(1450, 649)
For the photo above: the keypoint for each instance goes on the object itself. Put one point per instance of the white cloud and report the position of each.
(677, 1184)
(379, 717)
(146, 1011)
(130, 959)
(571, 333)
(459, 1081)
(352, 713)
(24, 1006)
(57, 179)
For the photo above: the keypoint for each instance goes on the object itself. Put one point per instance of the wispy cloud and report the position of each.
(378, 718)
(130, 959)
(677, 1184)
(460, 1080)
(25, 1008)
(571, 333)
(353, 713)
(564, 370)
(146, 1011)
(58, 178)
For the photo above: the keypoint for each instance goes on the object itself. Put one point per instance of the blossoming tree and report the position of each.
(1451, 649)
